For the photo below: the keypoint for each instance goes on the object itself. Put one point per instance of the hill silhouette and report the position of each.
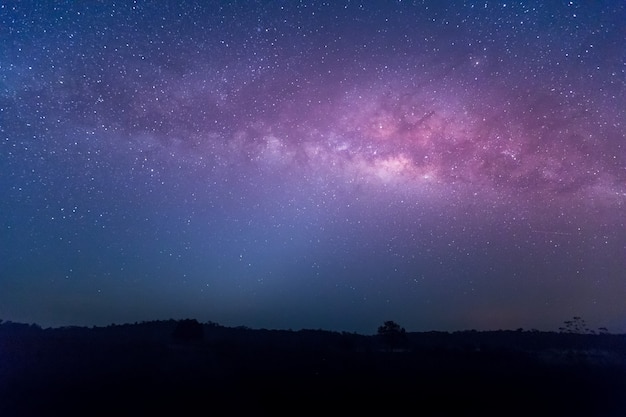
(183, 366)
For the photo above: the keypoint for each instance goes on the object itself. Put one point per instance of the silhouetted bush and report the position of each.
(188, 330)
(392, 334)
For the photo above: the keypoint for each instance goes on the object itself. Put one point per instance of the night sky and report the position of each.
(448, 165)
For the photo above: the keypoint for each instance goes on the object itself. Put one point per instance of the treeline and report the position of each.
(169, 331)
(179, 365)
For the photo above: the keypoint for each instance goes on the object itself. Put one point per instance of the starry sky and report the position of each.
(448, 165)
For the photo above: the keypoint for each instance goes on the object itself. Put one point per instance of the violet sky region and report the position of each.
(448, 165)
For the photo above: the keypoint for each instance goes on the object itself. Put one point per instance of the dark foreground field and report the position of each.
(166, 367)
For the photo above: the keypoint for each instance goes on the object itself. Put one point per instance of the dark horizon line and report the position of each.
(584, 332)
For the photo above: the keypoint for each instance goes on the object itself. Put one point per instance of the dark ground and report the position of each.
(184, 368)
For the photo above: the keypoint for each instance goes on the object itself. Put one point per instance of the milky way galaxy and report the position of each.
(448, 165)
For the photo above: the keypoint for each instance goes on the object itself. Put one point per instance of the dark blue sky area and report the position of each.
(447, 165)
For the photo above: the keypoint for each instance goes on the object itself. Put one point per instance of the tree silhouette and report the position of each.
(392, 334)
(603, 330)
(188, 330)
(576, 325)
